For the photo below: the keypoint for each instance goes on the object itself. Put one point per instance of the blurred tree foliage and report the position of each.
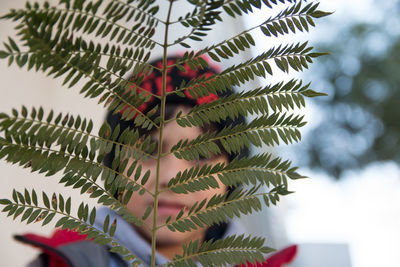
(360, 120)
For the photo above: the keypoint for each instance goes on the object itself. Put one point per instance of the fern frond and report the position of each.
(285, 21)
(260, 169)
(291, 18)
(288, 19)
(233, 7)
(228, 251)
(280, 96)
(73, 135)
(197, 178)
(263, 130)
(85, 19)
(229, 48)
(220, 208)
(29, 141)
(114, 93)
(144, 10)
(280, 55)
(214, 9)
(58, 52)
(27, 205)
(80, 174)
(197, 25)
(294, 56)
(50, 161)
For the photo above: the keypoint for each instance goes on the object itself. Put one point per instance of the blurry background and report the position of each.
(348, 214)
(352, 143)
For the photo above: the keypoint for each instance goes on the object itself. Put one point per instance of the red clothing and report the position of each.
(49, 246)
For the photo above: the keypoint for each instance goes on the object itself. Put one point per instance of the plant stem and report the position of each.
(160, 138)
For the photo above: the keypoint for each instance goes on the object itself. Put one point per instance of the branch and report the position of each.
(39, 160)
(221, 207)
(281, 95)
(230, 250)
(286, 57)
(263, 130)
(261, 169)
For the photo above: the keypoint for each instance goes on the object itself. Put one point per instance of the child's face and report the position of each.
(171, 203)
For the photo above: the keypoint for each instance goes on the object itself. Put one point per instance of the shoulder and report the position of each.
(67, 248)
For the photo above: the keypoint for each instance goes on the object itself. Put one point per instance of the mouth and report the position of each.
(168, 208)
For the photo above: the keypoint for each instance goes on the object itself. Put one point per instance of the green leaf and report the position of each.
(33, 216)
(138, 172)
(147, 212)
(54, 202)
(145, 177)
(214, 56)
(106, 223)
(320, 14)
(81, 211)
(313, 55)
(3, 54)
(48, 218)
(92, 216)
(27, 197)
(250, 39)
(68, 206)
(185, 45)
(15, 196)
(46, 201)
(61, 203)
(40, 113)
(265, 31)
(113, 227)
(26, 214)
(13, 44)
(5, 202)
(312, 93)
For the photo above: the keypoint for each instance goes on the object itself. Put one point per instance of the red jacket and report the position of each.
(57, 257)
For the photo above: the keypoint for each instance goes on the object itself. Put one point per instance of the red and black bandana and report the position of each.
(153, 83)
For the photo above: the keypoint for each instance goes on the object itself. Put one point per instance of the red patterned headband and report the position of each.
(153, 83)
